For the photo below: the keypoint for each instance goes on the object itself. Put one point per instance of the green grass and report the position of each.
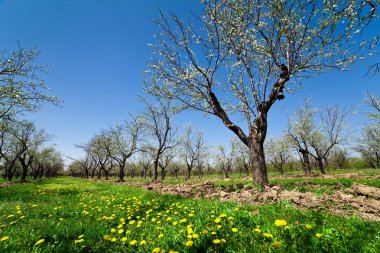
(73, 215)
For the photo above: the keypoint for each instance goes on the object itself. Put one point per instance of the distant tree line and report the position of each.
(150, 146)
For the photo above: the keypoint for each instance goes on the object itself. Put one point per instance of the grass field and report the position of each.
(74, 215)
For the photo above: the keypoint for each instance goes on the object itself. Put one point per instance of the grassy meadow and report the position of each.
(73, 215)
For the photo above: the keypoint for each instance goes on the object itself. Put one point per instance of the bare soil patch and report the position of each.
(359, 199)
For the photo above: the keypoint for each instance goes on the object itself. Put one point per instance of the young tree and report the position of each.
(225, 159)
(238, 58)
(278, 152)
(192, 147)
(299, 129)
(157, 123)
(242, 158)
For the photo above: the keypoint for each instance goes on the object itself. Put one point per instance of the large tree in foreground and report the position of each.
(238, 58)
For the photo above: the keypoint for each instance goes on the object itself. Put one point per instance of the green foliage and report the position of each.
(71, 215)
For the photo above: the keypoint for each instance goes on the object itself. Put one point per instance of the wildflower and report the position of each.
(81, 236)
(234, 230)
(189, 236)
(107, 238)
(132, 222)
(308, 226)
(216, 241)
(219, 226)
(318, 235)
(113, 230)
(189, 243)
(4, 238)
(183, 220)
(204, 231)
(217, 220)
(287, 227)
(120, 231)
(133, 242)
(160, 235)
(195, 236)
(223, 240)
(39, 242)
(113, 239)
(156, 250)
(10, 216)
(222, 215)
(213, 233)
(79, 241)
(127, 232)
(143, 242)
(120, 226)
(230, 218)
(277, 244)
(175, 223)
(268, 235)
(280, 223)
(258, 230)
(124, 239)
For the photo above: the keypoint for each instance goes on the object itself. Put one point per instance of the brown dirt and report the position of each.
(360, 200)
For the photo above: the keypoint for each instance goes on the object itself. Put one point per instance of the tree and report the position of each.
(278, 150)
(299, 129)
(242, 158)
(193, 146)
(225, 159)
(330, 133)
(237, 59)
(122, 143)
(157, 123)
(20, 87)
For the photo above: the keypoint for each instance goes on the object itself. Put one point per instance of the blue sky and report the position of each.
(97, 51)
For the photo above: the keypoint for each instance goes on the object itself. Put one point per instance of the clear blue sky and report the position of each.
(97, 50)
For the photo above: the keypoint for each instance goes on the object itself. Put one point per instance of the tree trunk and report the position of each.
(121, 173)
(257, 156)
(155, 170)
(163, 174)
(306, 161)
(320, 165)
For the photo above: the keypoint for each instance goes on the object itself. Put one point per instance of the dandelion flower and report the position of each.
(143, 242)
(120, 231)
(113, 239)
(160, 235)
(258, 230)
(189, 243)
(113, 230)
(223, 240)
(204, 231)
(280, 223)
(217, 220)
(216, 241)
(4, 238)
(308, 226)
(79, 241)
(268, 235)
(133, 242)
(107, 237)
(277, 244)
(318, 235)
(234, 230)
(124, 239)
(39, 242)
(156, 250)
(195, 236)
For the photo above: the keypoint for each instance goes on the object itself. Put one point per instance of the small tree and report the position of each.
(278, 153)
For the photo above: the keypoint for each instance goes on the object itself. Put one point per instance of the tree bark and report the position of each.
(306, 161)
(256, 150)
(320, 165)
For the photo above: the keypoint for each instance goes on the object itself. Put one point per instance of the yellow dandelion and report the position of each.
(222, 215)
(113, 230)
(156, 250)
(216, 241)
(219, 226)
(39, 242)
(79, 241)
(4, 238)
(133, 242)
(195, 236)
(217, 220)
(223, 240)
(234, 230)
(258, 230)
(213, 233)
(143, 242)
(120, 226)
(277, 244)
(189, 243)
(107, 237)
(268, 235)
(81, 236)
(287, 227)
(113, 239)
(160, 235)
(204, 231)
(318, 235)
(132, 222)
(175, 223)
(308, 226)
(120, 231)
(280, 223)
